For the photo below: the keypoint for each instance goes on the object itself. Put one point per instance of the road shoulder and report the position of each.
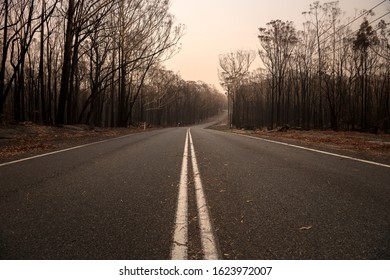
(365, 146)
(24, 140)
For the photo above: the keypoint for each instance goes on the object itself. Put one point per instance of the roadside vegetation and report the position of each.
(334, 73)
(86, 65)
(98, 63)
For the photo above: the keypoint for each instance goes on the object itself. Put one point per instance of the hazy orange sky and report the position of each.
(214, 27)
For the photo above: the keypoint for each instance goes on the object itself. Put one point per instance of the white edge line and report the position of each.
(316, 151)
(63, 150)
(179, 249)
(206, 231)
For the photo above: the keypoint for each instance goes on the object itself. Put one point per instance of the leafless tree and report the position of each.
(327, 75)
(278, 41)
(234, 68)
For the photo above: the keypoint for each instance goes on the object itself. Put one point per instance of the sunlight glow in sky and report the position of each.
(214, 27)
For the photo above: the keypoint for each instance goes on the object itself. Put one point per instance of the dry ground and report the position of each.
(27, 139)
(375, 147)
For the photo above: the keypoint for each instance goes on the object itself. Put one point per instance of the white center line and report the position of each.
(179, 250)
(206, 232)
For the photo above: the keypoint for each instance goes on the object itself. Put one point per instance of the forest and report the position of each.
(334, 73)
(96, 62)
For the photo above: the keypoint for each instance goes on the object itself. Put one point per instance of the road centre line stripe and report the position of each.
(317, 151)
(206, 232)
(179, 250)
(61, 151)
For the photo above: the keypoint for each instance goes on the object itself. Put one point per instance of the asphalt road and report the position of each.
(119, 200)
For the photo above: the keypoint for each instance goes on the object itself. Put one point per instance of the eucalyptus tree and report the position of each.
(318, 16)
(234, 68)
(383, 51)
(78, 27)
(304, 63)
(147, 34)
(278, 41)
(335, 53)
(167, 99)
(160, 96)
(366, 38)
(21, 21)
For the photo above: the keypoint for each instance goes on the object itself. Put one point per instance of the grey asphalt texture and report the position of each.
(117, 200)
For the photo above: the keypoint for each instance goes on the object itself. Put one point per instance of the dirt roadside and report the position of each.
(367, 146)
(24, 140)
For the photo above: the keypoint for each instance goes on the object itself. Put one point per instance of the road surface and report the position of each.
(193, 193)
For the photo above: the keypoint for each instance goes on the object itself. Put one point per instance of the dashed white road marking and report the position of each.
(179, 249)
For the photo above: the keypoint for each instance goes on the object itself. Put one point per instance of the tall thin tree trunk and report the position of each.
(65, 76)
(43, 112)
